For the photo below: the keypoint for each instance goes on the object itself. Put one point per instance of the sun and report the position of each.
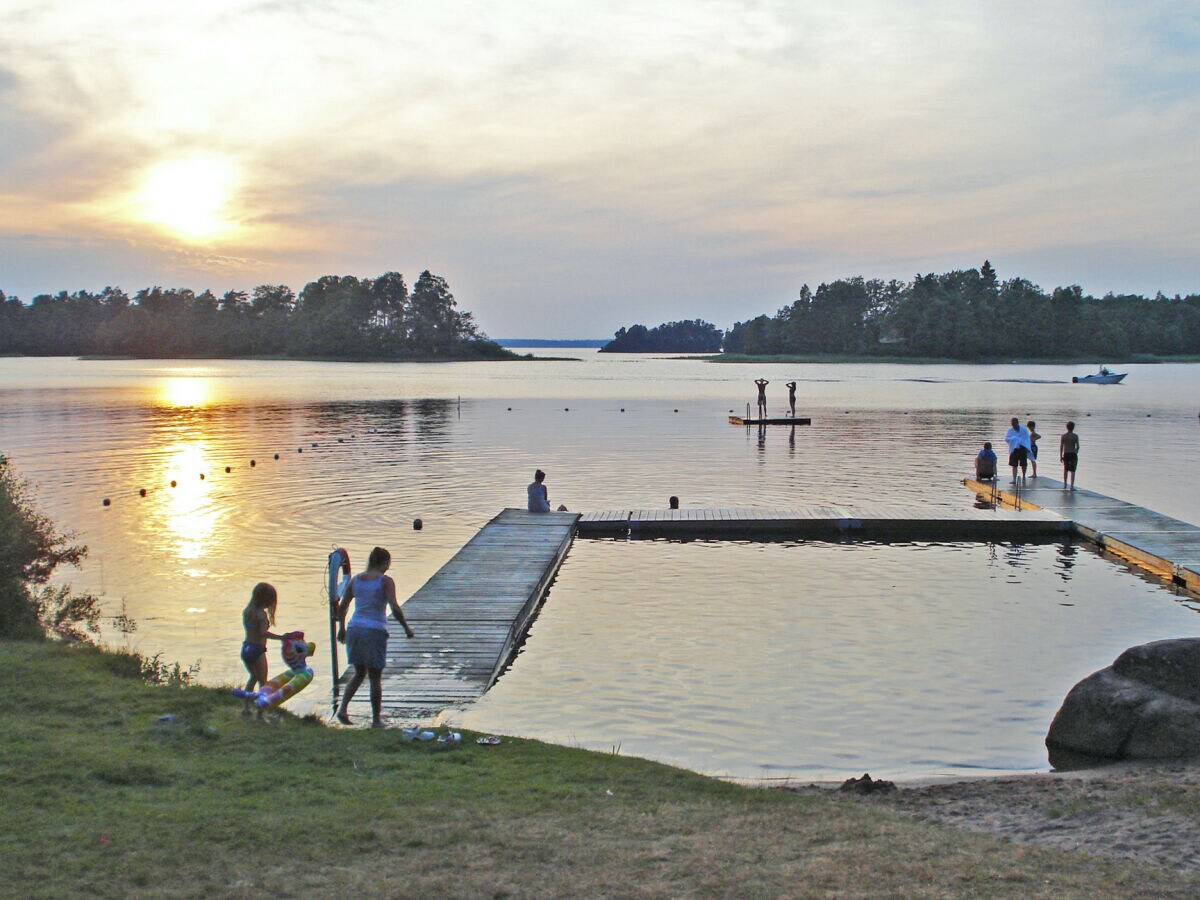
(188, 197)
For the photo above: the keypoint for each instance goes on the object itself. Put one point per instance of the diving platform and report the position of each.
(470, 617)
(786, 420)
(1167, 547)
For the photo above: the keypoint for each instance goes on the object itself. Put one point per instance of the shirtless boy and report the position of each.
(1068, 452)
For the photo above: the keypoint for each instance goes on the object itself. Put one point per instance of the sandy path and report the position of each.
(1147, 812)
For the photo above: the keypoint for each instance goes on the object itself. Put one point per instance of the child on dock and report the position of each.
(1033, 447)
(257, 619)
(1068, 452)
(762, 383)
(985, 463)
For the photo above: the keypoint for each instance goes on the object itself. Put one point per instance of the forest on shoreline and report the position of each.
(965, 315)
(334, 317)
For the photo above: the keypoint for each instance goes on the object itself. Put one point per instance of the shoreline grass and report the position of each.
(100, 799)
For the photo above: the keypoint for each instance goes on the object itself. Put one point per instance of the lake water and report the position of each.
(751, 660)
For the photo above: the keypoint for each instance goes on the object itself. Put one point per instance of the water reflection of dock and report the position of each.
(472, 615)
(1168, 547)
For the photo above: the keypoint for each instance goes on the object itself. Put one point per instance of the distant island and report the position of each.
(549, 342)
(970, 315)
(334, 317)
(965, 315)
(691, 336)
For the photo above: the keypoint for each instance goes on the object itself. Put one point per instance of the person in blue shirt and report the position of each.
(985, 463)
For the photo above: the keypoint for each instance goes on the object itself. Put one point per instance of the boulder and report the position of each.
(1146, 705)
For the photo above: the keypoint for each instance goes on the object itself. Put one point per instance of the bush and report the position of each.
(31, 548)
(126, 663)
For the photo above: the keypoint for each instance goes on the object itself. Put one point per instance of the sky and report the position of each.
(571, 168)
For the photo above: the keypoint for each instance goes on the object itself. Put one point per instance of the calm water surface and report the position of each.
(754, 660)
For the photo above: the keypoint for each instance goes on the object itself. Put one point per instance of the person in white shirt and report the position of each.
(1018, 442)
(539, 499)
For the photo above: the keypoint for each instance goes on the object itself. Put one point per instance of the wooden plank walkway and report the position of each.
(472, 614)
(742, 420)
(864, 521)
(470, 617)
(1160, 544)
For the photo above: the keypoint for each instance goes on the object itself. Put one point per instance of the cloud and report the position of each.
(632, 156)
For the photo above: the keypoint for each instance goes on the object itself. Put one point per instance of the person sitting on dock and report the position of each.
(539, 498)
(791, 386)
(985, 463)
(1017, 439)
(762, 396)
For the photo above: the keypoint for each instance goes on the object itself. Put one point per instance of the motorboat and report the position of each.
(1104, 376)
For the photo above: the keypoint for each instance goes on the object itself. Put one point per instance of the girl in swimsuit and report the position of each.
(258, 617)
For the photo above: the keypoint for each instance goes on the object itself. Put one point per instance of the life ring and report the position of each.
(338, 575)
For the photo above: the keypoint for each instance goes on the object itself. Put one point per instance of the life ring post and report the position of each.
(338, 577)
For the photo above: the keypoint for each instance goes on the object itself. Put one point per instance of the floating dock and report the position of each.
(745, 420)
(831, 522)
(471, 616)
(1167, 547)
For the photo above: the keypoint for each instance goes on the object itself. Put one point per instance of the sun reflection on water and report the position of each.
(188, 515)
(185, 391)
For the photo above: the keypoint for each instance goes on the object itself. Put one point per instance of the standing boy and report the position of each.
(762, 396)
(1068, 452)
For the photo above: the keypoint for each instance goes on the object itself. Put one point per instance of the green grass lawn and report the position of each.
(99, 799)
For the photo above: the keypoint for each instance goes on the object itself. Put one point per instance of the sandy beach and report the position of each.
(1142, 811)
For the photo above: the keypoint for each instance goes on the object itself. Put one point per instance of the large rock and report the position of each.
(1146, 705)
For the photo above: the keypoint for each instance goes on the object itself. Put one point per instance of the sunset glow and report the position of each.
(185, 392)
(189, 198)
(571, 167)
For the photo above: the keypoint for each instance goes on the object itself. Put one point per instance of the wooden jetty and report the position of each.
(1167, 547)
(834, 522)
(786, 420)
(470, 617)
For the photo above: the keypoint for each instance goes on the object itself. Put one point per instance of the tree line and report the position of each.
(970, 314)
(335, 317)
(966, 314)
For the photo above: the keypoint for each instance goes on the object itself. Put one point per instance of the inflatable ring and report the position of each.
(292, 680)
